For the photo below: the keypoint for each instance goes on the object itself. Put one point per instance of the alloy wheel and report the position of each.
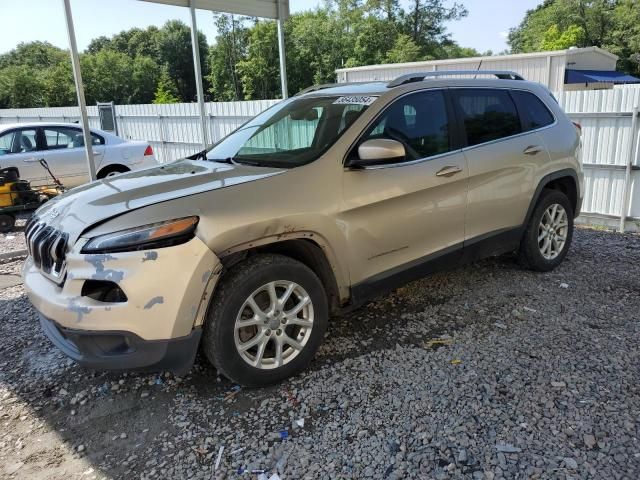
(552, 231)
(274, 324)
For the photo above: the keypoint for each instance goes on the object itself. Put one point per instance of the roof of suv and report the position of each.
(382, 87)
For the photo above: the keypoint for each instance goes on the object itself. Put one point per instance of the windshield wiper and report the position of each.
(221, 160)
(246, 162)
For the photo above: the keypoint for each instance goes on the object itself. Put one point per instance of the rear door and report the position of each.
(405, 213)
(66, 155)
(503, 158)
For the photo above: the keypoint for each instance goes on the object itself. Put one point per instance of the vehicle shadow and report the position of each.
(61, 418)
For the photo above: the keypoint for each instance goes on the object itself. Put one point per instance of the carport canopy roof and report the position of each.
(598, 76)
(252, 8)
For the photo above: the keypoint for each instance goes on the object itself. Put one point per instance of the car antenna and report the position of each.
(478, 69)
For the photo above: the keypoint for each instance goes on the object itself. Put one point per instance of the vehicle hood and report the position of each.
(89, 204)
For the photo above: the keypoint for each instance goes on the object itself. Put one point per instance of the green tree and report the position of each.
(145, 76)
(58, 86)
(107, 76)
(230, 48)
(404, 50)
(166, 91)
(425, 23)
(259, 72)
(174, 49)
(554, 39)
(34, 54)
(557, 24)
(21, 86)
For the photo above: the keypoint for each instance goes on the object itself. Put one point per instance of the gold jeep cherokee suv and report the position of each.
(315, 205)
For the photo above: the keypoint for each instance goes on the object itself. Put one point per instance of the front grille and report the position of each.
(47, 246)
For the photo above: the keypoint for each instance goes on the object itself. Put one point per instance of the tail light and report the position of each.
(578, 127)
(148, 151)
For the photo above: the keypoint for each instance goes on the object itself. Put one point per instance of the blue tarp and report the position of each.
(593, 76)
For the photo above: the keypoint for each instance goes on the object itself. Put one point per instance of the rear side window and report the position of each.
(487, 114)
(64, 137)
(535, 114)
(419, 121)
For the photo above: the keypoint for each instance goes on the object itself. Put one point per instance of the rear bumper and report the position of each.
(115, 350)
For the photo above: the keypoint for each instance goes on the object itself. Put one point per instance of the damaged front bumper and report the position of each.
(155, 321)
(104, 350)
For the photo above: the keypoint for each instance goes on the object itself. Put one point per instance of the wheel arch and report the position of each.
(565, 181)
(112, 167)
(303, 247)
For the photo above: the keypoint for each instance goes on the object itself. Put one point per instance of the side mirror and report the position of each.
(378, 151)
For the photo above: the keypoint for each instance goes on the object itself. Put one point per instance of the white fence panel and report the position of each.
(172, 129)
(608, 145)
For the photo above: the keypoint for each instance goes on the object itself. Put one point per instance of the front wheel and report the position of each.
(7, 222)
(549, 232)
(266, 320)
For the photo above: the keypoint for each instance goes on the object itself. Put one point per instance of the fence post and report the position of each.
(626, 192)
(162, 136)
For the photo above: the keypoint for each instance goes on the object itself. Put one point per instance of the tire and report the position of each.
(7, 222)
(223, 339)
(111, 170)
(543, 255)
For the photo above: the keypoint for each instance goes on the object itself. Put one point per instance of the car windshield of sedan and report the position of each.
(292, 133)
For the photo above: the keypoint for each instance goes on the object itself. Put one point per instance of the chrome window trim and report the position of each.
(410, 162)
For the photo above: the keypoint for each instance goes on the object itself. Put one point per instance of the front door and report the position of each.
(19, 148)
(399, 216)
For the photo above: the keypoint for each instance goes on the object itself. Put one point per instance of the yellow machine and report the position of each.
(17, 195)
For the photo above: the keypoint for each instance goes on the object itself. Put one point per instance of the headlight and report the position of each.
(156, 235)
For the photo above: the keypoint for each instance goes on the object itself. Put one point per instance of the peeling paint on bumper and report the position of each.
(164, 291)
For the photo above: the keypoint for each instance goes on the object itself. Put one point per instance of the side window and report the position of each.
(535, 114)
(18, 141)
(59, 137)
(419, 121)
(487, 114)
(64, 137)
(6, 142)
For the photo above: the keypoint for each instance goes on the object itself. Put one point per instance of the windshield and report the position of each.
(292, 133)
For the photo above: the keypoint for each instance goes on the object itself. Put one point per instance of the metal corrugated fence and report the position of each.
(610, 143)
(172, 129)
(610, 151)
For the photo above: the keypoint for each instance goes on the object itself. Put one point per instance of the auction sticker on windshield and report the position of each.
(355, 100)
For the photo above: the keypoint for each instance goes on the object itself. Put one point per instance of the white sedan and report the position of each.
(22, 145)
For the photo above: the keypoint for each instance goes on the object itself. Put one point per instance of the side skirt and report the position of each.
(491, 244)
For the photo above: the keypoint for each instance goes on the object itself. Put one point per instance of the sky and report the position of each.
(485, 28)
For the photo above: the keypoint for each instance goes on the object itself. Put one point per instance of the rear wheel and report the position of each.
(548, 236)
(112, 171)
(266, 320)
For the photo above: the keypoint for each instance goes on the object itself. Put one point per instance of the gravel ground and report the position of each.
(531, 376)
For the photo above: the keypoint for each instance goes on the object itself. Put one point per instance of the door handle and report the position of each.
(30, 159)
(95, 152)
(532, 150)
(448, 171)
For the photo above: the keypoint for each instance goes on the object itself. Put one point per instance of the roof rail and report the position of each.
(418, 77)
(315, 88)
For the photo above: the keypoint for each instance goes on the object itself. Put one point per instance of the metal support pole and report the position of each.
(283, 65)
(627, 175)
(198, 72)
(77, 76)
